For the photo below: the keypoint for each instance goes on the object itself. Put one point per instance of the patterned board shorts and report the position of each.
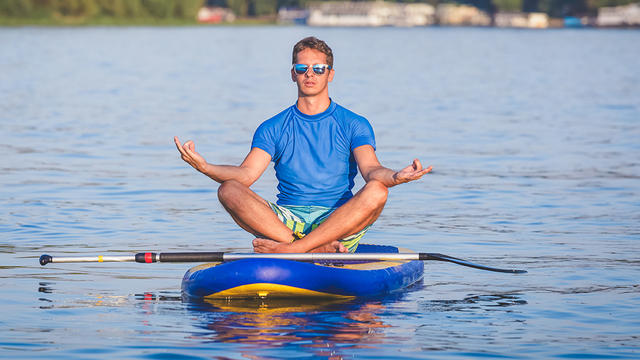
(304, 219)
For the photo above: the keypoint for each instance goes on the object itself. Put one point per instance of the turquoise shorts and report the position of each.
(304, 219)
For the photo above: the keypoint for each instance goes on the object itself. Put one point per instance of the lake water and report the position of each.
(533, 136)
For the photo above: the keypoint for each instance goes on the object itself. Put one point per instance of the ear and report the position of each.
(331, 73)
(293, 75)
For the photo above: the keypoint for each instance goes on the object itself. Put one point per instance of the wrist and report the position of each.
(204, 168)
(297, 247)
(394, 179)
(294, 243)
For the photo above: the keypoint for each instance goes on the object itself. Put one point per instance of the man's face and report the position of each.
(310, 83)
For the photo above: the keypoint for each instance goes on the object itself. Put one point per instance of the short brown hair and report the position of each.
(312, 42)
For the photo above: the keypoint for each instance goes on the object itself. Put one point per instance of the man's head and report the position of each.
(312, 67)
(313, 43)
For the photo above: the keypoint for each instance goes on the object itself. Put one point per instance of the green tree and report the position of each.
(114, 8)
(159, 8)
(187, 9)
(264, 7)
(134, 9)
(19, 8)
(239, 7)
(508, 5)
(78, 8)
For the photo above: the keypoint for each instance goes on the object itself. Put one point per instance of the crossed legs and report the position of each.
(253, 214)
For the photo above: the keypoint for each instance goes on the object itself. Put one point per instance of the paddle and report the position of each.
(149, 257)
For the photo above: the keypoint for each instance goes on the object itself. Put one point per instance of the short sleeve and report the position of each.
(362, 133)
(263, 139)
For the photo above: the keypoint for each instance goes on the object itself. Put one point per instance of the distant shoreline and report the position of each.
(6, 22)
(117, 22)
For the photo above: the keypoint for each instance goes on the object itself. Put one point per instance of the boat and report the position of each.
(283, 278)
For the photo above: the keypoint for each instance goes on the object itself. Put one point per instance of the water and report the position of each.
(533, 136)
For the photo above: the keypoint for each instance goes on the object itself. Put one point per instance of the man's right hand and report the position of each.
(190, 156)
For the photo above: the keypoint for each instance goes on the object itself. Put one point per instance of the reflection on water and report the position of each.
(474, 302)
(326, 328)
(322, 325)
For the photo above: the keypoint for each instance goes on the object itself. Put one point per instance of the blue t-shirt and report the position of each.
(312, 154)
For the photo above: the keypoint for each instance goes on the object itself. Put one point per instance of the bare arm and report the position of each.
(246, 173)
(371, 169)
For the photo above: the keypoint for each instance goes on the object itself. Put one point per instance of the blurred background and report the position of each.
(503, 13)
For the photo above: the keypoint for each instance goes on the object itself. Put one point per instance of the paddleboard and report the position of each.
(278, 278)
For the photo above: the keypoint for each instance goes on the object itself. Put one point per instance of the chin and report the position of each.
(311, 92)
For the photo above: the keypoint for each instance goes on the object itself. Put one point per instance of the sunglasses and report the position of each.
(319, 69)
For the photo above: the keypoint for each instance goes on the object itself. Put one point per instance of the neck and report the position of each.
(312, 105)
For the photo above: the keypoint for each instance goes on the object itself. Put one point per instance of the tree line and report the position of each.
(178, 9)
(187, 9)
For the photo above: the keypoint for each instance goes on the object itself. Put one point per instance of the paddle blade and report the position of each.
(441, 257)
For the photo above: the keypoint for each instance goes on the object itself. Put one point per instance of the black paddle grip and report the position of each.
(45, 259)
(191, 257)
(431, 256)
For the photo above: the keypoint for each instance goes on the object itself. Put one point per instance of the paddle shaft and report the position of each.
(150, 257)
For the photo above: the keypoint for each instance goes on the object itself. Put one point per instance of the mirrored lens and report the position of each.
(301, 69)
(319, 69)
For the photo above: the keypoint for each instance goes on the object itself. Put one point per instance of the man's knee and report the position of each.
(229, 190)
(377, 193)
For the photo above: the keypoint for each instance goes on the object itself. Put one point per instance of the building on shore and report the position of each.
(375, 13)
(292, 16)
(416, 15)
(461, 15)
(620, 16)
(522, 20)
(214, 15)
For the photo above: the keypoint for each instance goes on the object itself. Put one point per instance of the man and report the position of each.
(317, 146)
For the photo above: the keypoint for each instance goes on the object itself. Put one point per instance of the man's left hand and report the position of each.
(411, 172)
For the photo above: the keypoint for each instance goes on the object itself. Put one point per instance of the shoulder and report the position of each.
(274, 124)
(279, 117)
(350, 120)
(357, 127)
(269, 134)
(344, 113)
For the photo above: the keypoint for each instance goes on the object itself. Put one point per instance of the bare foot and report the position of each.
(333, 247)
(261, 245)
